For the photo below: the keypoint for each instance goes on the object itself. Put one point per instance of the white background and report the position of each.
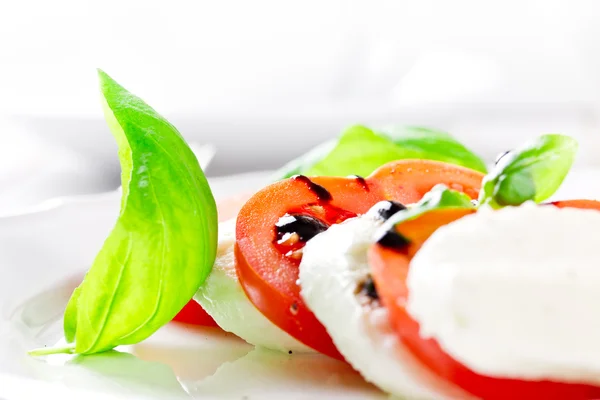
(266, 80)
(218, 58)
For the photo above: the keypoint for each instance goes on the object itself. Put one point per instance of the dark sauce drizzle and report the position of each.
(320, 191)
(500, 156)
(386, 208)
(393, 240)
(306, 226)
(367, 288)
(361, 181)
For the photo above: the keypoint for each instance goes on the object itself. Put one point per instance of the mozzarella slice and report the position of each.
(333, 266)
(223, 298)
(514, 293)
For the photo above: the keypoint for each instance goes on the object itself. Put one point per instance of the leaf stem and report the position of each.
(46, 351)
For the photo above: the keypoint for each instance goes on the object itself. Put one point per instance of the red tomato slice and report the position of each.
(268, 269)
(193, 313)
(407, 180)
(578, 203)
(390, 269)
(267, 275)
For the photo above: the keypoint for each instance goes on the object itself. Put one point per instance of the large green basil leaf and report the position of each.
(163, 244)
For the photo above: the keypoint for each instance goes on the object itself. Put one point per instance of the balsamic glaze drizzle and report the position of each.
(393, 240)
(305, 226)
(367, 287)
(320, 191)
(386, 208)
(361, 181)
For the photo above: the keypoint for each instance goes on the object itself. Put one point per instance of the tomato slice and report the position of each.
(577, 203)
(268, 267)
(390, 269)
(193, 313)
(266, 273)
(406, 180)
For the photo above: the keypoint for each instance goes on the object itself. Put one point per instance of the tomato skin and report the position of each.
(269, 277)
(577, 203)
(407, 180)
(390, 269)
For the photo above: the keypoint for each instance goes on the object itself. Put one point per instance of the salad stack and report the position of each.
(397, 250)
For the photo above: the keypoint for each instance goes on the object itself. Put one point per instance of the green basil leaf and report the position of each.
(164, 242)
(70, 317)
(439, 197)
(360, 150)
(435, 145)
(532, 172)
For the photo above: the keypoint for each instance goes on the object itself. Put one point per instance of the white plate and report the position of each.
(43, 254)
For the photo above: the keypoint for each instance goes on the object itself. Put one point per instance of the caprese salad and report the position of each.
(396, 251)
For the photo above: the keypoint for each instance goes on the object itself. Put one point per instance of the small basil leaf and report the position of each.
(439, 197)
(513, 189)
(532, 172)
(435, 145)
(164, 242)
